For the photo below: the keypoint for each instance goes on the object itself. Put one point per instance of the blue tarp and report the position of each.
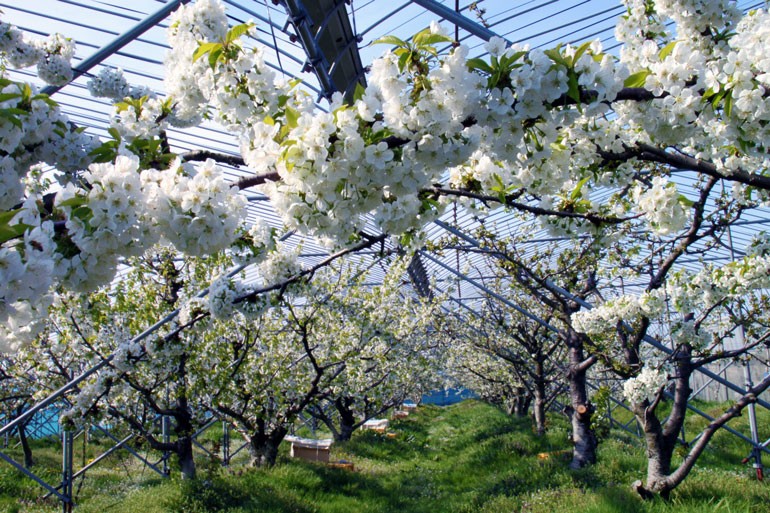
(447, 396)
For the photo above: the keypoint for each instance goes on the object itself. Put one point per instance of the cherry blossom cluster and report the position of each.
(665, 209)
(104, 223)
(51, 55)
(111, 83)
(689, 294)
(646, 385)
(34, 130)
(526, 121)
(194, 207)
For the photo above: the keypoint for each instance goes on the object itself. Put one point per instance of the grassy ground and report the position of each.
(465, 458)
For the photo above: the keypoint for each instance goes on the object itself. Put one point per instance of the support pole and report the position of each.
(66, 470)
(166, 434)
(756, 452)
(225, 444)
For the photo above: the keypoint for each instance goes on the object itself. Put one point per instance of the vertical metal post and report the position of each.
(7, 434)
(66, 470)
(166, 435)
(225, 443)
(756, 453)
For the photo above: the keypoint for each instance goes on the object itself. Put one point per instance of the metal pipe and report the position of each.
(166, 436)
(458, 19)
(299, 18)
(492, 293)
(98, 459)
(132, 451)
(755, 451)
(66, 471)
(225, 443)
(710, 381)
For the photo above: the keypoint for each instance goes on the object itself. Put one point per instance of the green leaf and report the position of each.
(73, 202)
(292, 116)
(10, 232)
(431, 39)
(685, 201)
(358, 92)
(26, 93)
(577, 193)
(637, 79)
(728, 103)
(390, 40)
(666, 50)
(9, 96)
(102, 154)
(5, 217)
(716, 98)
(205, 48)
(45, 98)
(114, 133)
(214, 57)
(83, 213)
(403, 60)
(237, 31)
(573, 88)
(479, 65)
(580, 51)
(11, 118)
(555, 55)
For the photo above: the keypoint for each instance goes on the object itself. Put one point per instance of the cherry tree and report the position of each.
(541, 132)
(395, 355)
(510, 358)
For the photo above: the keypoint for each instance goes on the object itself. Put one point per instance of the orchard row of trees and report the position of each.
(588, 145)
(333, 349)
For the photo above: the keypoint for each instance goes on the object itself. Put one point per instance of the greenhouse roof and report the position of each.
(327, 45)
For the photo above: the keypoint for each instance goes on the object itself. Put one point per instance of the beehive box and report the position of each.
(378, 425)
(310, 449)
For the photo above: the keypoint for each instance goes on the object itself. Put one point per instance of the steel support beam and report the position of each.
(458, 19)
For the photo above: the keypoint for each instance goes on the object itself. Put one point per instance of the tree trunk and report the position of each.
(185, 455)
(539, 407)
(184, 433)
(583, 437)
(661, 440)
(263, 447)
(26, 449)
(521, 402)
(347, 426)
(347, 421)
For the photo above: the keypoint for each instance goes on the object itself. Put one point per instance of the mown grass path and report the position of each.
(465, 458)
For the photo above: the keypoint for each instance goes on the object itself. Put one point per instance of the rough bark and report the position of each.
(184, 454)
(538, 409)
(347, 426)
(25, 447)
(263, 447)
(661, 438)
(583, 437)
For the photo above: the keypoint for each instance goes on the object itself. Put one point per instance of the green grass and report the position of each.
(460, 459)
